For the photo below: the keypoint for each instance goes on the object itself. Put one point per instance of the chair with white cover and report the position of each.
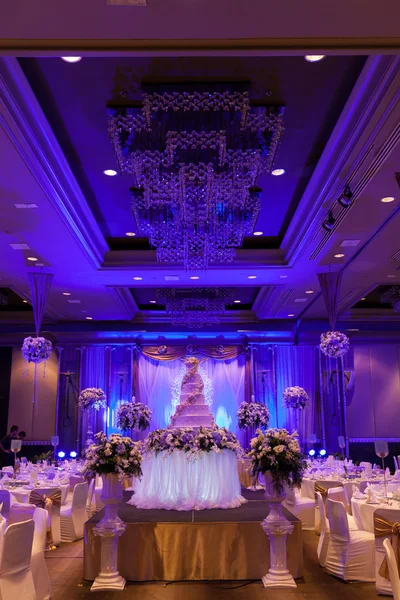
(385, 523)
(5, 501)
(302, 508)
(323, 542)
(348, 487)
(393, 570)
(16, 580)
(396, 464)
(19, 513)
(54, 521)
(351, 554)
(73, 515)
(339, 495)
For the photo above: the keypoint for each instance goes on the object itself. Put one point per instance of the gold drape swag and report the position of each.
(176, 352)
(385, 528)
(43, 501)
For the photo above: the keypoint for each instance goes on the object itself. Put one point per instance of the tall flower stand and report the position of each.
(109, 529)
(277, 527)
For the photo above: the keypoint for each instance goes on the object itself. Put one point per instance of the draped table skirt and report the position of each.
(178, 482)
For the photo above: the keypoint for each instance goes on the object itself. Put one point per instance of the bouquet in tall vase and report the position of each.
(91, 400)
(252, 415)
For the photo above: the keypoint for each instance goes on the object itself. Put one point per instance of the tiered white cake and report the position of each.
(192, 410)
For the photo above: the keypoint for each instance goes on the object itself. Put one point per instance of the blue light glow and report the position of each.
(322, 452)
(61, 454)
(73, 454)
(311, 452)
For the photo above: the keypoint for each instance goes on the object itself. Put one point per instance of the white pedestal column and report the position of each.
(109, 529)
(277, 527)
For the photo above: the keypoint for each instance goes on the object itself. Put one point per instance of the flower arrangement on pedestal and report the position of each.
(334, 344)
(133, 415)
(192, 441)
(92, 398)
(295, 397)
(116, 455)
(36, 349)
(252, 414)
(278, 452)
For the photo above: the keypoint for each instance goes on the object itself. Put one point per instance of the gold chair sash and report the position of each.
(322, 490)
(385, 528)
(44, 501)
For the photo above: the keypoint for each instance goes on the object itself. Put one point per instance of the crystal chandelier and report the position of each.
(195, 307)
(195, 158)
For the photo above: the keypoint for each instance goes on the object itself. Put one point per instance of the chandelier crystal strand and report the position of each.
(195, 307)
(195, 193)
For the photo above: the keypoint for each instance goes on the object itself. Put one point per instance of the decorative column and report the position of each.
(109, 529)
(277, 527)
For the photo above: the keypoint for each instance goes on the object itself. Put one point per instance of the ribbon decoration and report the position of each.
(385, 528)
(330, 288)
(322, 490)
(47, 502)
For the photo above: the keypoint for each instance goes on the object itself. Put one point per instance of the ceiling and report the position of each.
(341, 127)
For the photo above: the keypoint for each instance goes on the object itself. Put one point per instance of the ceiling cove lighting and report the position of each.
(339, 255)
(278, 172)
(71, 59)
(110, 172)
(32, 258)
(138, 278)
(314, 57)
(388, 199)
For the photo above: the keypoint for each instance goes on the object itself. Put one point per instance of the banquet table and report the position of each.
(363, 512)
(22, 494)
(176, 481)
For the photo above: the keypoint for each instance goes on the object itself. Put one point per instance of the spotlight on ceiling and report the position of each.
(329, 222)
(311, 452)
(314, 57)
(61, 454)
(346, 197)
(322, 452)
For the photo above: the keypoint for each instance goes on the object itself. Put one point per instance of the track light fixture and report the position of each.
(346, 197)
(329, 222)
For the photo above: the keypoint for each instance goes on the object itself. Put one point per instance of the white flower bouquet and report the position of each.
(334, 344)
(117, 455)
(192, 441)
(295, 397)
(36, 349)
(92, 398)
(278, 452)
(252, 414)
(133, 415)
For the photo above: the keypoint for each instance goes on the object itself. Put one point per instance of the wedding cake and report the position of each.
(192, 410)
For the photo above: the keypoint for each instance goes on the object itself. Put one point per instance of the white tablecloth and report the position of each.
(177, 482)
(363, 513)
(23, 494)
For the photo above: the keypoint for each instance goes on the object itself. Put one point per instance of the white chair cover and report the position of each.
(383, 586)
(55, 515)
(323, 542)
(393, 570)
(396, 464)
(20, 512)
(348, 487)
(74, 515)
(5, 500)
(303, 508)
(16, 581)
(351, 554)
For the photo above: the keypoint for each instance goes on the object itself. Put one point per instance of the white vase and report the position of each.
(109, 529)
(277, 527)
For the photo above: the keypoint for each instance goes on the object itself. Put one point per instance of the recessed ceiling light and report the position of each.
(71, 59)
(278, 172)
(258, 233)
(309, 291)
(25, 301)
(353, 329)
(237, 301)
(252, 277)
(130, 234)
(363, 298)
(138, 278)
(291, 315)
(300, 300)
(314, 57)
(110, 172)
(32, 258)
(391, 276)
(283, 276)
(194, 277)
(153, 301)
(89, 318)
(388, 199)
(339, 255)
(66, 293)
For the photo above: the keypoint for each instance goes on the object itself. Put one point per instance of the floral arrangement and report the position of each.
(278, 452)
(116, 454)
(92, 398)
(133, 415)
(252, 414)
(192, 365)
(36, 349)
(334, 344)
(192, 441)
(295, 397)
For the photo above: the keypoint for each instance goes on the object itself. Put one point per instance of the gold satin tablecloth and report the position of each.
(186, 550)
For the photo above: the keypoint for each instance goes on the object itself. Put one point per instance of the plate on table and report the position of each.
(373, 502)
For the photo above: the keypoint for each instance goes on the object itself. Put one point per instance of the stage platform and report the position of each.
(218, 544)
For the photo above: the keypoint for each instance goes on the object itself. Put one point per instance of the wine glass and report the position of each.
(15, 447)
(342, 444)
(382, 450)
(55, 440)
